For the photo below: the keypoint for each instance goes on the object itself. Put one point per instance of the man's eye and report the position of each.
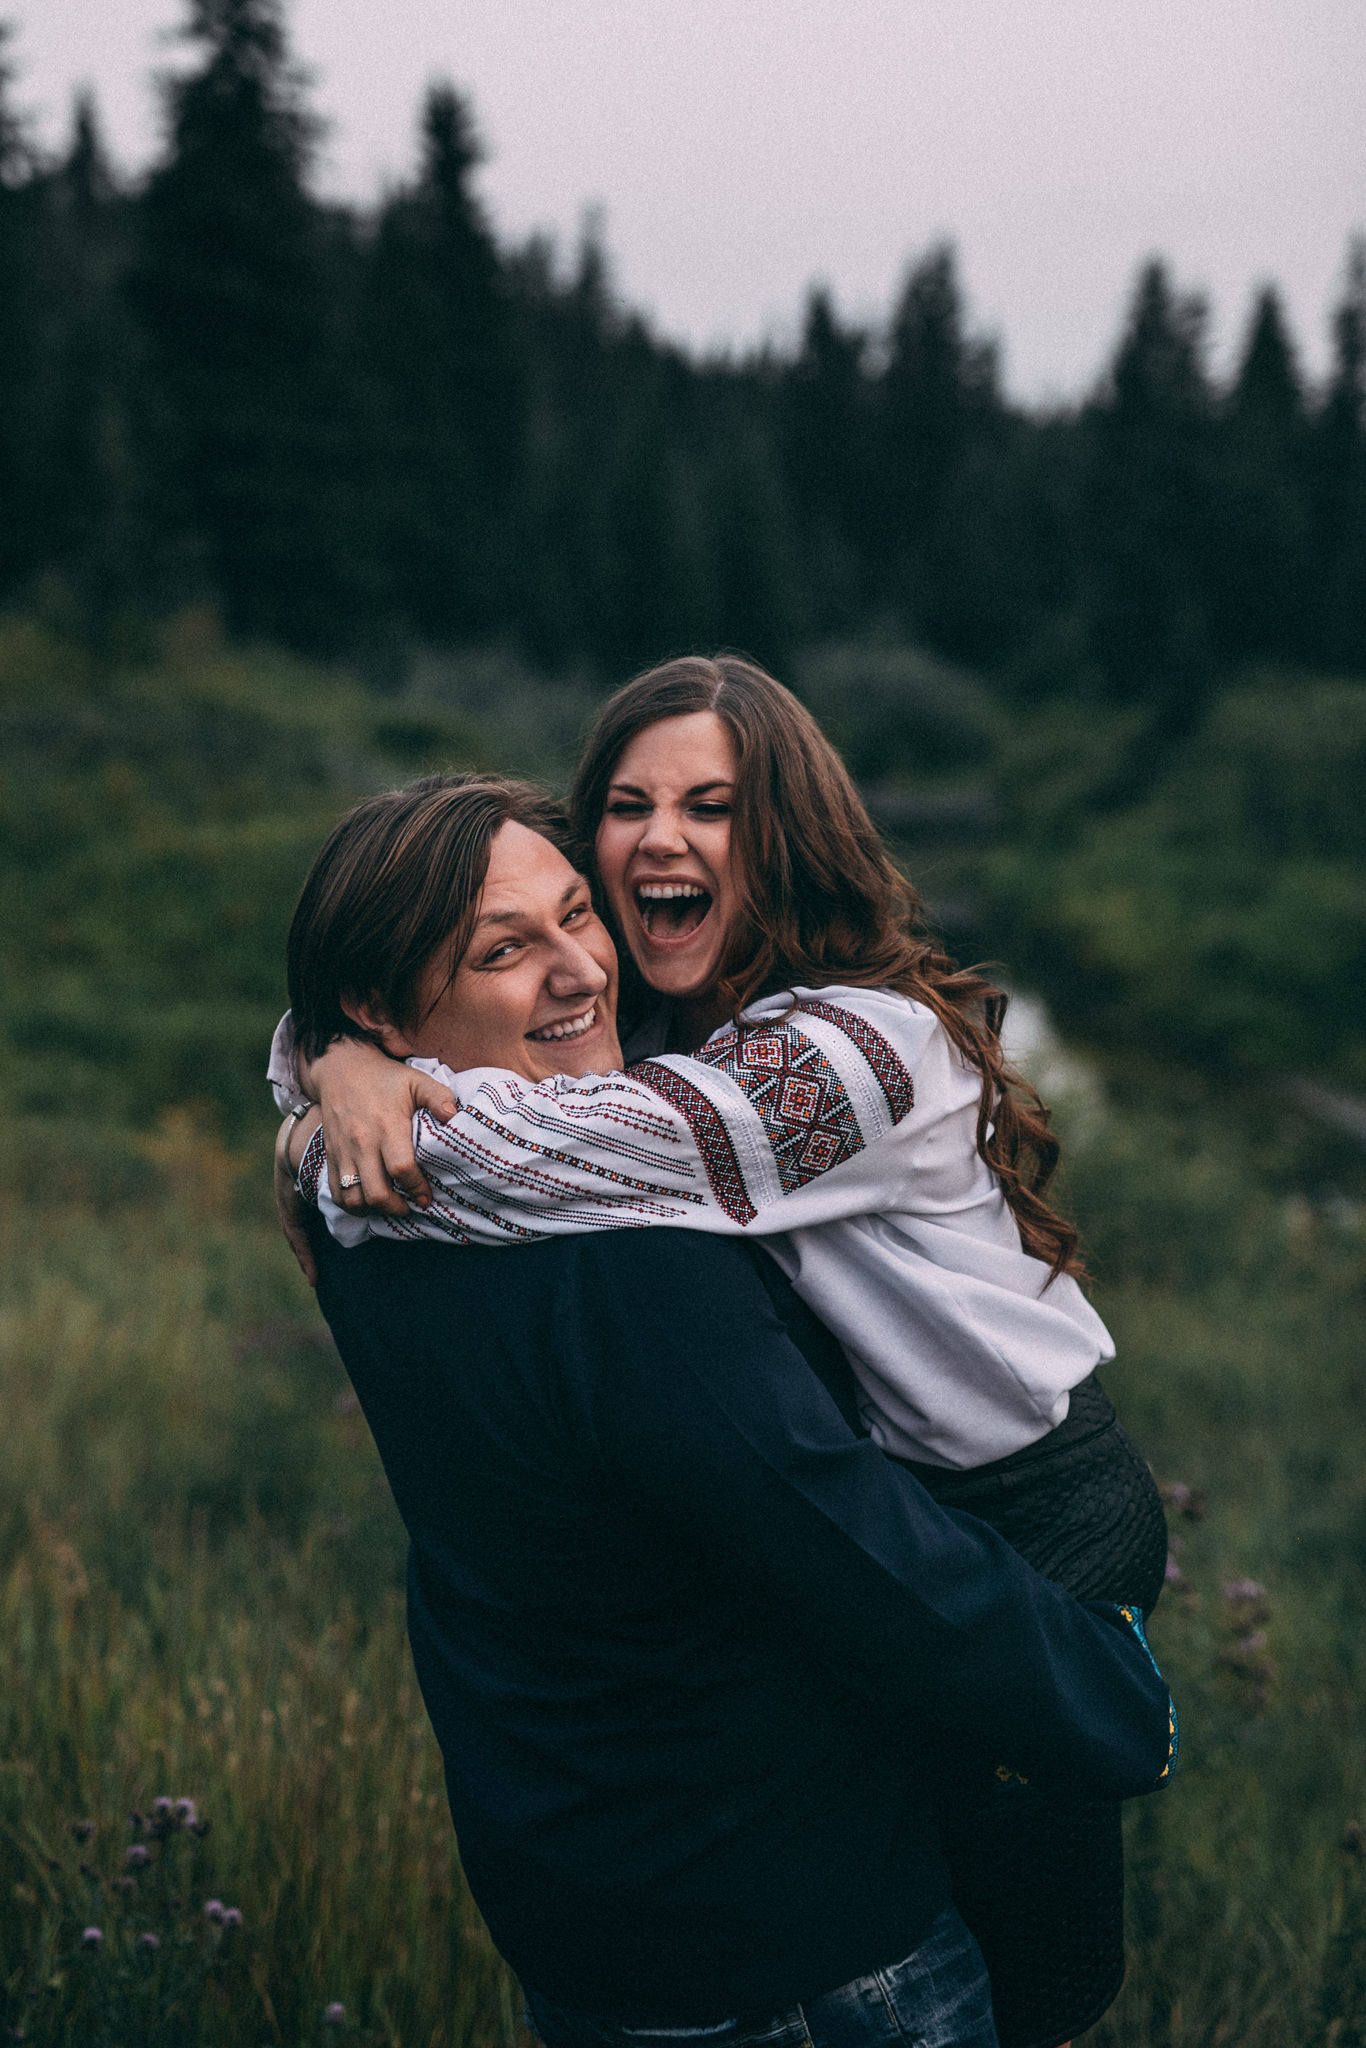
(579, 910)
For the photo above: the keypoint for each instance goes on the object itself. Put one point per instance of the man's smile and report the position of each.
(567, 1027)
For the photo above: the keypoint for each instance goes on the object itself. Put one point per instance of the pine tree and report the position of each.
(450, 401)
(1340, 480)
(101, 541)
(826, 435)
(1261, 567)
(23, 202)
(234, 287)
(1149, 521)
(937, 394)
(573, 336)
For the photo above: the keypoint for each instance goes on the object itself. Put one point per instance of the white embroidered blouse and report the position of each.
(839, 1125)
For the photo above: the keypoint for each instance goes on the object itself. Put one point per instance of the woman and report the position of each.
(742, 873)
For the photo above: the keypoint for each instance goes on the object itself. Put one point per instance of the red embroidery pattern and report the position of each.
(639, 1127)
(439, 1142)
(893, 1076)
(800, 1100)
(311, 1166)
(713, 1139)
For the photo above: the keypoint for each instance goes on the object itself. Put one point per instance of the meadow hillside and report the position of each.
(200, 1569)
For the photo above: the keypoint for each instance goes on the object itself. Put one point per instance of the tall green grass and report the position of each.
(1236, 1302)
(201, 1597)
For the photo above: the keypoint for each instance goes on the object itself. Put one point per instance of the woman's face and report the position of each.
(536, 991)
(664, 851)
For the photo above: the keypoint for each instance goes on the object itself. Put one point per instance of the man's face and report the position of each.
(536, 991)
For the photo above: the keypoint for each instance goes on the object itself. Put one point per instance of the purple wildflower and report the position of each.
(92, 1937)
(1235, 1590)
(213, 1910)
(163, 1807)
(232, 1916)
(137, 1855)
(1243, 1589)
(334, 2015)
(149, 1942)
(186, 1812)
(1172, 1574)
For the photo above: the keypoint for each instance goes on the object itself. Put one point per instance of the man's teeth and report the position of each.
(575, 1028)
(664, 892)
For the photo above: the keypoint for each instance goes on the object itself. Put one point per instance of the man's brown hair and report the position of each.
(400, 878)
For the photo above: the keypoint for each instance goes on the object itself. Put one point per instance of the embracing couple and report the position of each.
(778, 1567)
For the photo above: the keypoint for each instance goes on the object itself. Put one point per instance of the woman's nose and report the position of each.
(663, 832)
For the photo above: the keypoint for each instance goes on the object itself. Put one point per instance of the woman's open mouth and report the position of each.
(671, 911)
(569, 1027)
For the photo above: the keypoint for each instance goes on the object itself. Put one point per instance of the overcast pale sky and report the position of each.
(742, 148)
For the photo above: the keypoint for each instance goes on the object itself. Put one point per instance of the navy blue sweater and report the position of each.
(690, 1644)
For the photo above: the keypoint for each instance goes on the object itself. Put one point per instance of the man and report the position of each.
(693, 1648)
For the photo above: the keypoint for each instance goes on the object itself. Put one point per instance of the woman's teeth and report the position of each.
(679, 906)
(575, 1028)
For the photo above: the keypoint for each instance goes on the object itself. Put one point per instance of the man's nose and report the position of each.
(574, 971)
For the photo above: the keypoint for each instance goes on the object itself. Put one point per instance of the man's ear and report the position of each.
(385, 1033)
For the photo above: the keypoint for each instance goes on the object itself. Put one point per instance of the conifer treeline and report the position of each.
(357, 430)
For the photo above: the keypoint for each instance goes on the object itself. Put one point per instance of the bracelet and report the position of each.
(287, 1129)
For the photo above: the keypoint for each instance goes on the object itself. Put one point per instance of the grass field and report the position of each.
(200, 1569)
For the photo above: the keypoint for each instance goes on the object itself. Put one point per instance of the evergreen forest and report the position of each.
(357, 430)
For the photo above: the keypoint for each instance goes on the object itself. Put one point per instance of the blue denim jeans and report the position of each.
(938, 1997)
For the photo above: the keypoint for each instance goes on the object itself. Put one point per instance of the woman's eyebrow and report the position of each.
(697, 788)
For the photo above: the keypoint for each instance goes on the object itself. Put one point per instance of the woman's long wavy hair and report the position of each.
(822, 902)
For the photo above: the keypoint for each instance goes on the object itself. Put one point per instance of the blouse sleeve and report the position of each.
(770, 1127)
(283, 1070)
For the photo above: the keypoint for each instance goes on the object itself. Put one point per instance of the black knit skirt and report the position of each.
(1037, 1875)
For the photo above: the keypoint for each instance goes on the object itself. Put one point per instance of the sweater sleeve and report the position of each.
(774, 1125)
(926, 1612)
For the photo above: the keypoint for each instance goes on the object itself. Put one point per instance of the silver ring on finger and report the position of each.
(350, 1180)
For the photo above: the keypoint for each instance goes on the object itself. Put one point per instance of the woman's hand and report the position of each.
(295, 1133)
(368, 1104)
